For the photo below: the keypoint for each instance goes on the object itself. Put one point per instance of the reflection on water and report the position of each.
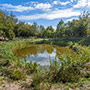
(42, 53)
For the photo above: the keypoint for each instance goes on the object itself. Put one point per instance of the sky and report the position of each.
(45, 12)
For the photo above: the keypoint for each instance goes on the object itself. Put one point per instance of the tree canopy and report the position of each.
(10, 27)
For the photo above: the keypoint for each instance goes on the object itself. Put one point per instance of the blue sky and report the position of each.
(45, 12)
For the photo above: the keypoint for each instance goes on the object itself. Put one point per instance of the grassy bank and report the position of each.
(74, 73)
(61, 42)
(6, 48)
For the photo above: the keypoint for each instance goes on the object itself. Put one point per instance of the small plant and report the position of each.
(70, 43)
(17, 74)
(66, 88)
(73, 85)
(37, 79)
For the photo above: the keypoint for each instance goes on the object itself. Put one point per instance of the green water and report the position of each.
(42, 53)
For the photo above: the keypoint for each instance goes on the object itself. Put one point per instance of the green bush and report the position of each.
(68, 74)
(4, 62)
(17, 74)
(4, 71)
(70, 43)
(31, 67)
(37, 79)
(66, 88)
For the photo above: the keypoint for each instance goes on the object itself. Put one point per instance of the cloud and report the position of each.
(65, 13)
(88, 3)
(31, 2)
(61, 3)
(28, 23)
(18, 8)
(82, 3)
(43, 59)
(72, 0)
(43, 6)
(54, 27)
(72, 19)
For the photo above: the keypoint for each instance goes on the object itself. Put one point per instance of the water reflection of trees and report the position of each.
(28, 51)
(48, 48)
(64, 50)
(36, 49)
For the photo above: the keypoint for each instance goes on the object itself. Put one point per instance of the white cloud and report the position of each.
(82, 3)
(65, 13)
(28, 3)
(88, 3)
(18, 8)
(55, 2)
(43, 6)
(72, 0)
(45, 58)
(28, 23)
(54, 27)
(64, 3)
(61, 3)
(32, 2)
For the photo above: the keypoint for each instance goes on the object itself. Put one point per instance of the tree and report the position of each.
(42, 31)
(7, 24)
(71, 28)
(60, 31)
(49, 31)
(35, 30)
(83, 26)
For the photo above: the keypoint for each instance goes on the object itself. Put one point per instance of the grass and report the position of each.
(7, 47)
(73, 72)
(60, 42)
(10, 66)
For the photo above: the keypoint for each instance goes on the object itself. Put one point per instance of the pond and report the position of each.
(42, 53)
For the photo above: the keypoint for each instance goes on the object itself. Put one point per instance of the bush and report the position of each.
(40, 81)
(17, 74)
(66, 88)
(4, 62)
(37, 79)
(68, 74)
(31, 67)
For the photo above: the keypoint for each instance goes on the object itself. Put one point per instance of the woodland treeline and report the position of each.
(10, 27)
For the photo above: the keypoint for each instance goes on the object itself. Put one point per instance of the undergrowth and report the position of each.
(70, 71)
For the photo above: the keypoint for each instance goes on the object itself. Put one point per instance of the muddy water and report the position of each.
(42, 53)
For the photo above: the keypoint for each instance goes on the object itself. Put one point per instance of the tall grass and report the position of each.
(10, 66)
(7, 48)
(69, 69)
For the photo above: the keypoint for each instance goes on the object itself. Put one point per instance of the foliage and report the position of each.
(76, 28)
(7, 24)
(69, 70)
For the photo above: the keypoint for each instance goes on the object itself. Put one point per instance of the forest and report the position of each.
(10, 27)
(34, 57)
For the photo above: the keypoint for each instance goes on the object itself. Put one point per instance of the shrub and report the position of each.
(66, 88)
(17, 74)
(4, 62)
(68, 74)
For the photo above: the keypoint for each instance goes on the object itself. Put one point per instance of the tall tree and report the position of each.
(60, 31)
(83, 24)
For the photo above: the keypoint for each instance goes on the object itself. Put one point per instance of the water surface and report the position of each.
(42, 53)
